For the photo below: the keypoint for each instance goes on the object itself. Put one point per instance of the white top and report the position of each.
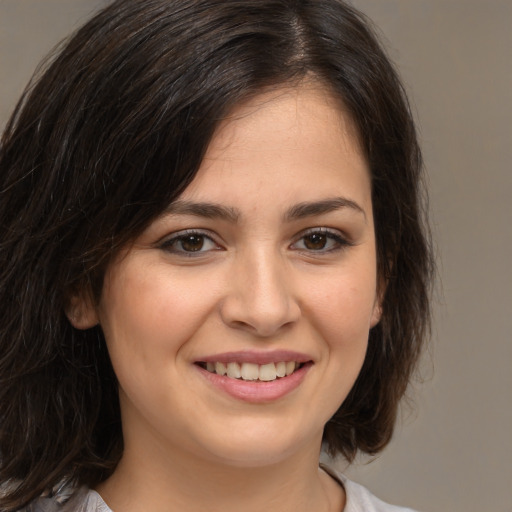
(359, 499)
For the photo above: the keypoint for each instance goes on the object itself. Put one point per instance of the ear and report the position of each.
(377, 307)
(376, 313)
(81, 311)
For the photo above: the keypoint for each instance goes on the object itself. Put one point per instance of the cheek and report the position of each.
(344, 324)
(343, 321)
(148, 315)
(343, 308)
(342, 314)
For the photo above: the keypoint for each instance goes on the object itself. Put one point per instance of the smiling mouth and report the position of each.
(251, 371)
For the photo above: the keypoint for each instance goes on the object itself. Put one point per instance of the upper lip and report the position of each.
(256, 357)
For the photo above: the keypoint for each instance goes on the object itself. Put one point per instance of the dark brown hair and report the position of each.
(112, 132)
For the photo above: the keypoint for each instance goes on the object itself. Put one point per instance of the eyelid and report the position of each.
(342, 239)
(166, 242)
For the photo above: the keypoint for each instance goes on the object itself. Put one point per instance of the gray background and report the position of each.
(453, 450)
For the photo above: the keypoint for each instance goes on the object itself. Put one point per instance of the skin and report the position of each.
(259, 283)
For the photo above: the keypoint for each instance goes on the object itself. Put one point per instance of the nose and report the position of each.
(260, 296)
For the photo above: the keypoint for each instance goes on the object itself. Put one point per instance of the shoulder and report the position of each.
(360, 499)
(81, 500)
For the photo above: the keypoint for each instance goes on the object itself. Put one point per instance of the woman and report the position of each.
(213, 260)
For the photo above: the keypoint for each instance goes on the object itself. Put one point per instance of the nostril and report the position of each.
(241, 325)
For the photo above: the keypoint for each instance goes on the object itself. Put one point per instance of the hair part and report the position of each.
(111, 133)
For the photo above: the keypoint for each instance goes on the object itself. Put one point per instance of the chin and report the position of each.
(265, 446)
(254, 457)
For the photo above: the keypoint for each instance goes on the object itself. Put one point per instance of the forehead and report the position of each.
(277, 115)
(289, 145)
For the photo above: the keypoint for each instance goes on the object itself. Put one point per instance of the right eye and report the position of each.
(189, 243)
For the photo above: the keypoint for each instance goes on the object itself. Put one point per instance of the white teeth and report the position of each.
(250, 371)
(281, 369)
(220, 369)
(290, 367)
(234, 370)
(268, 372)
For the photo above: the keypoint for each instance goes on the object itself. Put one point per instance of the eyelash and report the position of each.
(180, 237)
(339, 240)
(169, 245)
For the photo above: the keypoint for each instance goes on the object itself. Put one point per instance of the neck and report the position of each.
(150, 480)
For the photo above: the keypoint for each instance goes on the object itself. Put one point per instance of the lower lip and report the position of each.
(257, 391)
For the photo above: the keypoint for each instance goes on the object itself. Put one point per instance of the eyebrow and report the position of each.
(206, 210)
(296, 212)
(315, 208)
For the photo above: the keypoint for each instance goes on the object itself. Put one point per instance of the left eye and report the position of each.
(320, 241)
(189, 243)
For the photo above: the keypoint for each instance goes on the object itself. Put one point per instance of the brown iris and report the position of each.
(315, 241)
(192, 243)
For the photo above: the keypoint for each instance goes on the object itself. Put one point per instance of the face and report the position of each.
(238, 321)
